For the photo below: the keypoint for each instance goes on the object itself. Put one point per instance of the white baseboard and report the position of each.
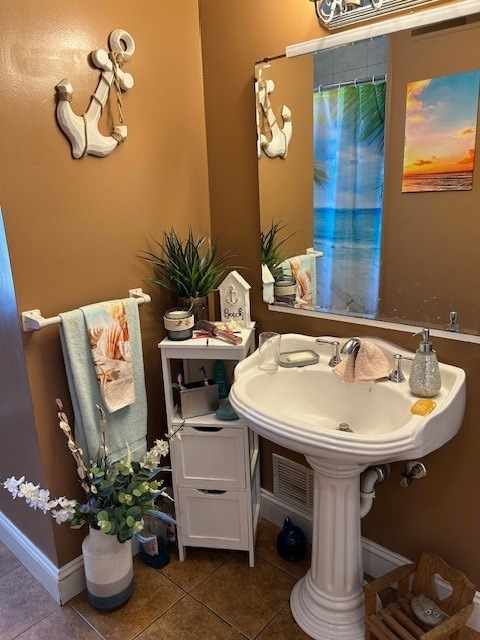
(62, 584)
(275, 510)
(377, 560)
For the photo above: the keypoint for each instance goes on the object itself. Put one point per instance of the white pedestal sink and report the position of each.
(301, 409)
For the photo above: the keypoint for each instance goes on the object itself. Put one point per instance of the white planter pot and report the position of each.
(108, 570)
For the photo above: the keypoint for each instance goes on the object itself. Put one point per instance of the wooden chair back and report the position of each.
(430, 565)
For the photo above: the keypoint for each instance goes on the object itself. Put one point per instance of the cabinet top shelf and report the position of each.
(201, 347)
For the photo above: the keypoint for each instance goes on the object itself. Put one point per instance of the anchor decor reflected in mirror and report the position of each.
(337, 268)
(272, 139)
(82, 131)
(374, 249)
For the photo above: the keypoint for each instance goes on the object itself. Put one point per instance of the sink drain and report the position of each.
(344, 426)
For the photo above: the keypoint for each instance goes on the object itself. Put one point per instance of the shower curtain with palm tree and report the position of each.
(348, 188)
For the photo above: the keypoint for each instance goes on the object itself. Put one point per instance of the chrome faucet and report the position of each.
(351, 346)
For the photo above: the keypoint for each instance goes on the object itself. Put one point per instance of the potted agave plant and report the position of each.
(119, 496)
(272, 257)
(191, 268)
(271, 246)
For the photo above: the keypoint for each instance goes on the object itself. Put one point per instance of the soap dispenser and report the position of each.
(424, 378)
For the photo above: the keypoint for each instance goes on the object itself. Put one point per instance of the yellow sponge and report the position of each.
(423, 407)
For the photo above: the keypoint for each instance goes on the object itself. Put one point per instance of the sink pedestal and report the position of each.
(300, 408)
(328, 602)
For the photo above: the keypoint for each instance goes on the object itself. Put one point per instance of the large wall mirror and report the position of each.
(418, 258)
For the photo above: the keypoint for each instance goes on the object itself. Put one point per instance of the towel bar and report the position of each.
(33, 320)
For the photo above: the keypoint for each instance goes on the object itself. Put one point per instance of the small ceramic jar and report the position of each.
(178, 323)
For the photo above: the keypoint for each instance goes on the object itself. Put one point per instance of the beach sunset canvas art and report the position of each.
(440, 129)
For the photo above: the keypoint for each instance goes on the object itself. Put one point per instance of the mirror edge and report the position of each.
(380, 324)
(411, 20)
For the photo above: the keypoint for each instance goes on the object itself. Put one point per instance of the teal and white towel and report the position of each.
(127, 425)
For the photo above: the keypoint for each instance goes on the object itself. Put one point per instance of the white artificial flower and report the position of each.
(12, 484)
(43, 500)
(151, 460)
(162, 447)
(67, 510)
(65, 503)
(62, 515)
(29, 491)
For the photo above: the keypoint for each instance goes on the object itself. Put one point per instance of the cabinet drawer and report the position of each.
(213, 519)
(210, 458)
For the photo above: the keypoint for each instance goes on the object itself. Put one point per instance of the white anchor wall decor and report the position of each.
(82, 131)
(273, 140)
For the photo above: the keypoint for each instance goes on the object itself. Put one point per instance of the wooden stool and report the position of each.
(397, 620)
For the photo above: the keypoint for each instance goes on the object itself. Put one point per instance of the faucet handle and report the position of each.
(415, 470)
(335, 357)
(397, 373)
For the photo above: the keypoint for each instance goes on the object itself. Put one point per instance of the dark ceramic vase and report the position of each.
(291, 542)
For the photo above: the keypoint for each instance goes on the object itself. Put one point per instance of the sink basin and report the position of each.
(301, 408)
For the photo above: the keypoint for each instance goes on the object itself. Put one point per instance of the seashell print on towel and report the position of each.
(108, 336)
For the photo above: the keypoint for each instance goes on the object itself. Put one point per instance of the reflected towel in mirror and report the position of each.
(304, 269)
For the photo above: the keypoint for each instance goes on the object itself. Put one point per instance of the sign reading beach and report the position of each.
(440, 128)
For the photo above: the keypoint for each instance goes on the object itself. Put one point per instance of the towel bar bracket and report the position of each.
(139, 293)
(33, 320)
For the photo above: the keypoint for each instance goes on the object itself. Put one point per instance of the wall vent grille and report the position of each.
(293, 483)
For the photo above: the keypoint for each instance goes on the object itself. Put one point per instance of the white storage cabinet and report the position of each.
(215, 466)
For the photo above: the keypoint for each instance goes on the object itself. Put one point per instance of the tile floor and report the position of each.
(213, 595)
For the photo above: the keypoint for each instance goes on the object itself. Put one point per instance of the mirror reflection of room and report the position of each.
(419, 245)
(349, 97)
(339, 271)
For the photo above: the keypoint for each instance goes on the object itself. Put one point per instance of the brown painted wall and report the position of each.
(437, 513)
(74, 227)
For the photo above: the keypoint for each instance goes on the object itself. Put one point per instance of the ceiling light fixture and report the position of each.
(326, 10)
(335, 14)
